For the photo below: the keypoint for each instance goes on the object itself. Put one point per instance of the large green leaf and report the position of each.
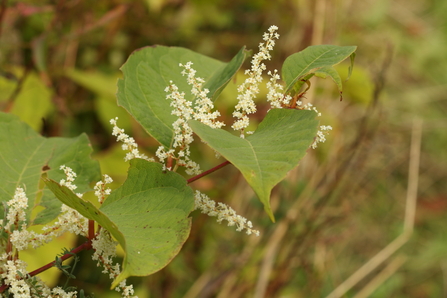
(33, 101)
(318, 60)
(264, 158)
(147, 73)
(148, 215)
(25, 155)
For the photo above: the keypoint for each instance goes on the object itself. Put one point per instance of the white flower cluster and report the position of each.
(16, 225)
(322, 131)
(185, 110)
(70, 178)
(321, 135)
(203, 105)
(101, 192)
(249, 88)
(129, 143)
(105, 250)
(223, 212)
(15, 276)
(308, 106)
(69, 220)
(277, 102)
(58, 292)
(183, 134)
(275, 97)
(11, 271)
(16, 211)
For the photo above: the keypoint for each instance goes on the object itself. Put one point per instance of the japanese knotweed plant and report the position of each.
(171, 92)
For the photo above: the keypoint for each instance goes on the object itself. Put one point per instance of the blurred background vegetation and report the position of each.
(59, 62)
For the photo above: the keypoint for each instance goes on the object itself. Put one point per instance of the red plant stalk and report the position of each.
(85, 246)
(209, 171)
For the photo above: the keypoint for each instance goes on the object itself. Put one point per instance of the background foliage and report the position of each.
(59, 67)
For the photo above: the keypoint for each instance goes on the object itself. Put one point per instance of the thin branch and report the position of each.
(3, 8)
(85, 246)
(209, 171)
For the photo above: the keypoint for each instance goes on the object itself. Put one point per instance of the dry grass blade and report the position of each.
(388, 271)
(391, 248)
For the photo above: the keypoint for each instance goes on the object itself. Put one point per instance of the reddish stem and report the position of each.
(169, 163)
(91, 229)
(85, 246)
(209, 171)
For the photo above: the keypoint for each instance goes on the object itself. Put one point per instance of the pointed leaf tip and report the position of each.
(265, 157)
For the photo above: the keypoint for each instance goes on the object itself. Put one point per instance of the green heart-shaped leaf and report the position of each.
(147, 215)
(147, 73)
(264, 158)
(25, 155)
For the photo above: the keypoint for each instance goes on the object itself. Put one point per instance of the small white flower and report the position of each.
(100, 188)
(105, 250)
(70, 178)
(321, 135)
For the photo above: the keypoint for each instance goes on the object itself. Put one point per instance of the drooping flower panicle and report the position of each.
(129, 143)
(223, 212)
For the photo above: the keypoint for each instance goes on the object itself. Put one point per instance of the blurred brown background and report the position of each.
(59, 61)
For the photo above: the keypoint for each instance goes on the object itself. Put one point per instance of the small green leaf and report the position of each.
(147, 215)
(85, 208)
(25, 155)
(221, 78)
(104, 86)
(329, 71)
(303, 65)
(148, 72)
(265, 157)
